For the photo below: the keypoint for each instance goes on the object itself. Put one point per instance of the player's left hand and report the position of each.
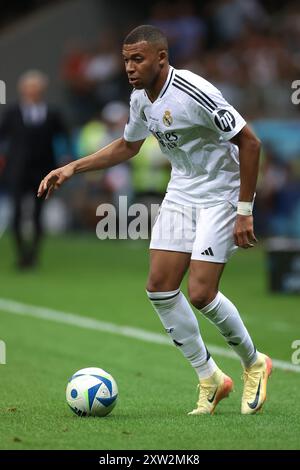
(243, 231)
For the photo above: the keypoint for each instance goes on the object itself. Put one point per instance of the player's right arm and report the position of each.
(118, 151)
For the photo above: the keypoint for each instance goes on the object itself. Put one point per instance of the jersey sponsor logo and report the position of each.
(166, 139)
(167, 119)
(225, 120)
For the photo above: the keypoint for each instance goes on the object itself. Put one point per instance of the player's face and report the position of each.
(143, 64)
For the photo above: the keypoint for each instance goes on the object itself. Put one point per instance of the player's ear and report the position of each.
(162, 57)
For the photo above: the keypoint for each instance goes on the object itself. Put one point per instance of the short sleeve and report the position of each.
(214, 112)
(136, 128)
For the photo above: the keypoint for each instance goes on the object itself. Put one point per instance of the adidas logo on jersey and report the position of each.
(208, 252)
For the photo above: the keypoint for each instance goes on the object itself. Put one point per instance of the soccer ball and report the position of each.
(92, 392)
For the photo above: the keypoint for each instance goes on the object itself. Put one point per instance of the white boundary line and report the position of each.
(18, 308)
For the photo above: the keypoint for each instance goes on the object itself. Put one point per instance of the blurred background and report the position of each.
(250, 49)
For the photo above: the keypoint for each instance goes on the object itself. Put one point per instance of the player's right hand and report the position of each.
(54, 180)
(244, 236)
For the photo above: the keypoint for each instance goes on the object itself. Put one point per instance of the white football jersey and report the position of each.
(193, 124)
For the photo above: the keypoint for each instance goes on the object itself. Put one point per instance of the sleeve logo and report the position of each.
(224, 120)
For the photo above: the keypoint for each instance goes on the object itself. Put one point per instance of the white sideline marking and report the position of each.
(18, 308)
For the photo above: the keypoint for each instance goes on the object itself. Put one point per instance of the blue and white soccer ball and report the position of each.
(92, 392)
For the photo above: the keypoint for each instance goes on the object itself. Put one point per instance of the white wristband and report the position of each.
(244, 208)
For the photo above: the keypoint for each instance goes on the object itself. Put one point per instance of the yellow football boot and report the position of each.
(255, 384)
(211, 391)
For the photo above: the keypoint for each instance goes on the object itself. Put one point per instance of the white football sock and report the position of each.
(181, 324)
(225, 316)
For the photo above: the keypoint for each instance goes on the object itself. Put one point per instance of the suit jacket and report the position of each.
(30, 151)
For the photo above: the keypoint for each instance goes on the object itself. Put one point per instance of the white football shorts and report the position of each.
(206, 233)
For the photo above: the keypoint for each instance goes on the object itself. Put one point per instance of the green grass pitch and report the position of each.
(105, 281)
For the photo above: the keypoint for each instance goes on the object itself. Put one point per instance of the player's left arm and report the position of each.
(221, 117)
(249, 151)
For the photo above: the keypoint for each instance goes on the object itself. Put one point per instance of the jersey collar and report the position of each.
(167, 82)
(165, 86)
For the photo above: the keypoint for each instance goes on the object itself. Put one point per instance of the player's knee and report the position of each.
(154, 284)
(156, 287)
(160, 284)
(201, 296)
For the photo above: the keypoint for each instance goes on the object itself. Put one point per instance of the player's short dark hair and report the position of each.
(147, 33)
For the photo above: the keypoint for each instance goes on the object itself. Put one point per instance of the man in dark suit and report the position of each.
(29, 128)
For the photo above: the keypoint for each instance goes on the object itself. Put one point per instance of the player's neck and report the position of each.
(154, 92)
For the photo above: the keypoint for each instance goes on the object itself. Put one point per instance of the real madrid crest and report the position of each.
(167, 118)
